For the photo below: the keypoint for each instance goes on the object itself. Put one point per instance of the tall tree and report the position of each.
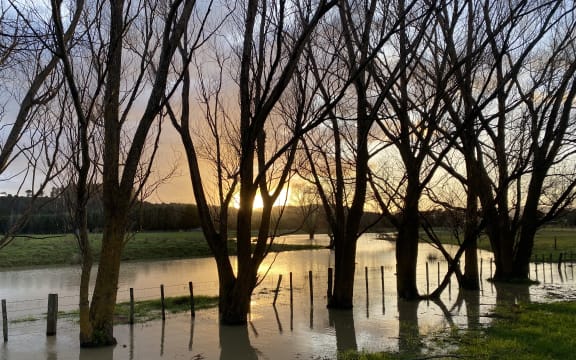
(274, 35)
(161, 26)
(505, 102)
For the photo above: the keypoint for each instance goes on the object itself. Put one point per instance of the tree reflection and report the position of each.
(409, 341)
(343, 323)
(235, 343)
(104, 353)
(471, 299)
(507, 293)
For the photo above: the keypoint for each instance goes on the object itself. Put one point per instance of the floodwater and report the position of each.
(301, 329)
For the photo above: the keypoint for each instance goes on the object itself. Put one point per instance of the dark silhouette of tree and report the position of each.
(267, 57)
(103, 101)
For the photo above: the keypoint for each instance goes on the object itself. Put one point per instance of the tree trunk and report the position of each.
(236, 304)
(503, 254)
(407, 249)
(344, 269)
(86, 331)
(84, 305)
(104, 298)
(471, 277)
(529, 227)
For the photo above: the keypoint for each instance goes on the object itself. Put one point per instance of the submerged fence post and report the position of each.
(366, 277)
(192, 305)
(131, 306)
(382, 278)
(481, 261)
(162, 302)
(427, 280)
(52, 315)
(491, 261)
(329, 291)
(4, 321)
(311, 287)
(291, 294)
(277, 290)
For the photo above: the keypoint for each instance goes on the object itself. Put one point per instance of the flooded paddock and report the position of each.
(299, 329)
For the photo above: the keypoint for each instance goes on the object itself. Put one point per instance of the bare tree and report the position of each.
(341, 170)
(510, 114)
(31, 134)
(105, 102)
(274, 35)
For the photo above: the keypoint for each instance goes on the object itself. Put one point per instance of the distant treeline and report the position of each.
(50, 215)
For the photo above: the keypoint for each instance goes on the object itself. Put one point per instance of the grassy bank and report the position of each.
(548, 241)
(62, 249)
(522, 332)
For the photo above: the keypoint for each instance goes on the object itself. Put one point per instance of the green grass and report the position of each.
(533, 331)
(521, 332)
(62, 249)
(549, 241)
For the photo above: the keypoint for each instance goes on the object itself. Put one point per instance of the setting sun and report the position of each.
(283, 199)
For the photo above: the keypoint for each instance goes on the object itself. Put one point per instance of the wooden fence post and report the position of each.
(192, 305)
(162, 304)
(366, 277)
(310, 282)
(329, 291)
(382, 278)
(52, 315)
(4, 321)
(131, 306)
(291, 294)
(555, 243)
(427, 280)
(277, 290)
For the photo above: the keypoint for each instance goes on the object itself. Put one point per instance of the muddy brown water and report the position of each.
(297, 330)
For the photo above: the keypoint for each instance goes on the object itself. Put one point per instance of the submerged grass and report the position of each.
(147, 310)
(40, 250)
(152, 309)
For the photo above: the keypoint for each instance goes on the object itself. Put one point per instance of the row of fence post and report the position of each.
(52, 312)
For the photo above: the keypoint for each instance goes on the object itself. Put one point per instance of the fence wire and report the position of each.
(28, 317)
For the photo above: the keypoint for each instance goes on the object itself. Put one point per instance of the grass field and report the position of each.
(62, 249)
(549, 243)
(522, 332)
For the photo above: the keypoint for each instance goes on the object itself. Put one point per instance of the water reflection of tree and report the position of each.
(103, 353)
(235, 343)
(507, 293)
(343, 323)
(471, 299)
(409, 341)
